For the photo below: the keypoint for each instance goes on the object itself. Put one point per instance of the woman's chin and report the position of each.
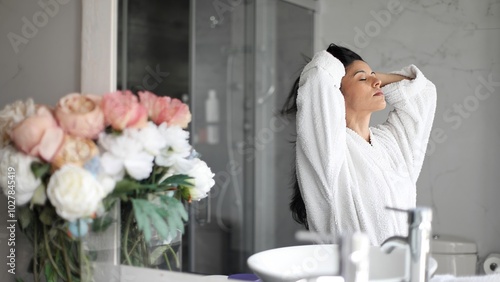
(381, 106)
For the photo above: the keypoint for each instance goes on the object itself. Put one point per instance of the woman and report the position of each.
(348, 172)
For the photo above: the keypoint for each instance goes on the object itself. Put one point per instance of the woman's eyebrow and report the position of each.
(361, 71)
(358, 71)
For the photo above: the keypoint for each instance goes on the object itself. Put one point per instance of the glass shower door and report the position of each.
(219, 51)
(234, 62)
(244, 57)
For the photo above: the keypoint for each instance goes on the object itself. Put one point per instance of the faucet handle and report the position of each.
(397, 209)
(355, 254)
(415, 215)
(419, 231)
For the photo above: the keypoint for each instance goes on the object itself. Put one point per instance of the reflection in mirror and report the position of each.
(248, 54)
(153, 41)
(223, 55)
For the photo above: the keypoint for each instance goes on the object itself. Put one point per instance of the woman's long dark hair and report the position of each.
(289, 109)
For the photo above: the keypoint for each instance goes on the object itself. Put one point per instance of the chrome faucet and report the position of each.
(417, 242)
(355, 254)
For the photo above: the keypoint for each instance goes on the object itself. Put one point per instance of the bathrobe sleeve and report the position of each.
(410, 122)
(321, 136)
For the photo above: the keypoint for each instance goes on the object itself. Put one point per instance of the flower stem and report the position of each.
(145, 252)
(35, 251)
(175, 256)
(165, 256)
(66, 262)
(125, 236)
(86, 273)
(133, 247)
(49, 253)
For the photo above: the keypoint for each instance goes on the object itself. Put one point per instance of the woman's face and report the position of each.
(361, 89)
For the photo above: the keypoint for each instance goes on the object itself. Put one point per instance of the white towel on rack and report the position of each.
(451, 278)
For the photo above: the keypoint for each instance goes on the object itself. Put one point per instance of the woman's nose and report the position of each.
(376, 82)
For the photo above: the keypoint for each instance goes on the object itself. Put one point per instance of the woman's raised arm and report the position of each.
(321, 136)
(411, 120)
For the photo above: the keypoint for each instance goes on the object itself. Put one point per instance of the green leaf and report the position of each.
(157, 253)
(39, 196)
(102, 223)
(52, 233)
(158, 173)
(108, 203)
(40, 169)
(47, 215)
(19, 279)
(178, 180)
(177, 214)
(50, 274)
(123, 187)
(166, 217)
(142, 211)
(176, 206)
(184, 192)
(25, 216)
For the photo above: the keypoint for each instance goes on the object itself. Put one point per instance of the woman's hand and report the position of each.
(388, 78)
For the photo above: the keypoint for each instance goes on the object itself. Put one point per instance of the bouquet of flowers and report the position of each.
(66, 166)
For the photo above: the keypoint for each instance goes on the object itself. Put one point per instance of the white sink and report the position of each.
(309, 261)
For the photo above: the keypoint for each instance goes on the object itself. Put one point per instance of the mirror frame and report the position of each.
(99, 46)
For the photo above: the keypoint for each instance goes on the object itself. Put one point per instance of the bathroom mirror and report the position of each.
(249, 52)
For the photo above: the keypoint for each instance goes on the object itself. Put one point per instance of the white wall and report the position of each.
(456, 44)
(45, 66)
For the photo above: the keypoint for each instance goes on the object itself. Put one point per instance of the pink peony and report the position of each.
(13, 114)
(80, 115)
(122, 110)
(165, 109)
(38, 135)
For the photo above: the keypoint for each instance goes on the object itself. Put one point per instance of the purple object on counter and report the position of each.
(245, 277)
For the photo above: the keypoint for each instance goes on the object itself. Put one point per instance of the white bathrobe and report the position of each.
(346, 182)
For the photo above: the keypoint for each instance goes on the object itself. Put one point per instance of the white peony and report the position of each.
(150, 138)
(25, 181)
(13, 114)
(95, 168)
(177, 147)
(125, 153)
(74, 192)
(203, 179)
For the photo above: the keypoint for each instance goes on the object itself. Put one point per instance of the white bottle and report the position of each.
(212, 117)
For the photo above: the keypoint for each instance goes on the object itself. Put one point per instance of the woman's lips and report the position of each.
(378, 93)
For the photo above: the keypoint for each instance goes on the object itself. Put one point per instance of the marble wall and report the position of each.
(456, 44)
(39, 58)
(40, 47)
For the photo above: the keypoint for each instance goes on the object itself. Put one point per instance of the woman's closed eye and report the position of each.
(364, 78)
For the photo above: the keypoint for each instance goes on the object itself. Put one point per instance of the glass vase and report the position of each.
(82, 250)
(101, 247)
(156, 253)
(166, 254)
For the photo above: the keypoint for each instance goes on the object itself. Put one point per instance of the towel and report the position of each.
(451, 278)
(346, 182)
